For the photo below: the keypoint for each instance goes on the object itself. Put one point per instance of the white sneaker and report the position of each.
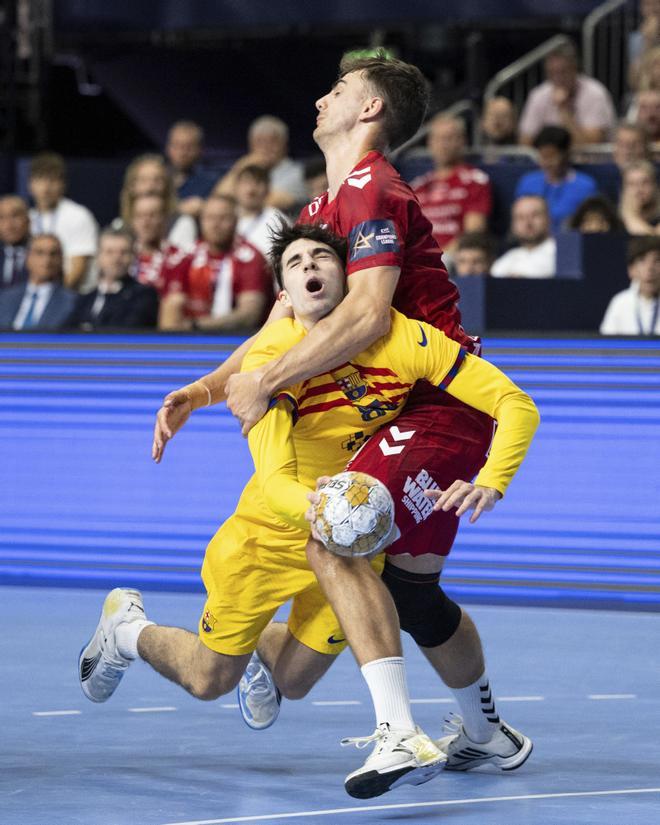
(398, 758)
(100, 665)
(508, 749)
(258, 696)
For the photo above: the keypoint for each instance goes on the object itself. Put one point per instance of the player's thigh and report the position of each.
(299, 668)
(426, 448)
(217, 673)
(245, 586)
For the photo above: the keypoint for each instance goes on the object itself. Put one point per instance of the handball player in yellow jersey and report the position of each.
(257, 561)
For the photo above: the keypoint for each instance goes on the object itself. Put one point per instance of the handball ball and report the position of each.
(355, 514)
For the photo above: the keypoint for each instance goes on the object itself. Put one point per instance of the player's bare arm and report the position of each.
(359, 320)
(208, 390)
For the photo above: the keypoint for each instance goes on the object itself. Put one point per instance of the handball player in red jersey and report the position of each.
(437, 444)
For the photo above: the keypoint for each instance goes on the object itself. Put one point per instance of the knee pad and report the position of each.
(425, 611)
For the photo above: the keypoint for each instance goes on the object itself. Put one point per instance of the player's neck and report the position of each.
(341, 158)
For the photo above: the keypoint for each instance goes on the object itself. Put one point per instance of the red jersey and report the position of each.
(166, 269)
(447, 200)
(216, 279)
(381, 218)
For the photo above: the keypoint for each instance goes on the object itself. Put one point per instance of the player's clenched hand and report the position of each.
(170, 418)
(465, 496)
(310, 515)
(246, 398)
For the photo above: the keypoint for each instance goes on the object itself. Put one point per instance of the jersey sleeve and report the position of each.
(480, 196)
(276, 466)
(273, 341)
(252, 273)
(484, 387)
(374, 221)
(417, 351)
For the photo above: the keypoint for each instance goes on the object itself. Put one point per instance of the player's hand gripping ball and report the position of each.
(354, 515)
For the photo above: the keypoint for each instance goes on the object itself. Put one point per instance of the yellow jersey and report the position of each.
(312, 428)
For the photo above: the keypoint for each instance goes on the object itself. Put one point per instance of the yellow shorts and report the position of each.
(249, 571)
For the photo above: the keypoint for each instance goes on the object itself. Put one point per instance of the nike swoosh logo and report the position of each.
(424, 341)
(333, 641)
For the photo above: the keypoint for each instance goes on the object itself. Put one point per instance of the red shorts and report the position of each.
(435, 441)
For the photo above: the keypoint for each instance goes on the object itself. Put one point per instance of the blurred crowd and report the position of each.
(189, 250)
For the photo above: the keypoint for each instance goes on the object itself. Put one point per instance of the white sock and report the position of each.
(126, 636)
(477, 705)
(386, 679)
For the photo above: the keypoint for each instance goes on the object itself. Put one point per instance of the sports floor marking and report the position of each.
(338, 702)
(612, 696)
(432, 701)
(410, 805)
(519, 698)
(56, 712)
(230, 705)
(151, 710)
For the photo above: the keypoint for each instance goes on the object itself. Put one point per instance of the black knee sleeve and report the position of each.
(425, 611)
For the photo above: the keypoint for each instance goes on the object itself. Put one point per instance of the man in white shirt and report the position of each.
(268, 145)
(256, 218)
(636, 310)
(54, 214)
(43, 303)
(575, 101)
(536, 256)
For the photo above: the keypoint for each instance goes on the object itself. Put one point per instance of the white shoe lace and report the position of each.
(381, 732)
(453, 724)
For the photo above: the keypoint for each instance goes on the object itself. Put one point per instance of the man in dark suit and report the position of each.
(43, 303)
(119, 301)
(14, 236)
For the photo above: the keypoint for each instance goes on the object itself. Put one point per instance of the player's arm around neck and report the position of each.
(362, 318)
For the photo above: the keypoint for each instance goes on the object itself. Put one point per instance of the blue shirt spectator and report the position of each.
(561, 186)
(184, 148)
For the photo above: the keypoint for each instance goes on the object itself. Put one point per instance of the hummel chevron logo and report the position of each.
(360, 183)
(397, 435)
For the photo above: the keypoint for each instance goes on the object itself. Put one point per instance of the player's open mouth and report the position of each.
(314, 285)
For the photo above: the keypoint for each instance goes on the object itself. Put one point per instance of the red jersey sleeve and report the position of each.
(374, 220)
(480, 197)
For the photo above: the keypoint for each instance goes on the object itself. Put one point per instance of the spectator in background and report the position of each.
(160, 264)
(42, 303)
(630, 144)
(648, 113)
(536, 255)
(149, 175)
(475, 253)
(645, 38)
(636, 310)
(578, 103)
(14, 237)
(595, 215)
(255, 218)
(54, 214)
(183, 150)
(498, 122)
(556, 181)
(230, 285)
(316, 178)
(119, 301)
(268, 144)
(455, 196)
(639, 205)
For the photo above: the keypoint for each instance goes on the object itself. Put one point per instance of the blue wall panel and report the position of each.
(83, 504)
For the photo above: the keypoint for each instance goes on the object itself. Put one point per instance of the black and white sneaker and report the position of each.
(507, 750)
(398, 758)
(100, 665)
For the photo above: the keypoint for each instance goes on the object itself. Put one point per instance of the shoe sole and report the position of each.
(255, 725)
(372, 783)
(504, 763)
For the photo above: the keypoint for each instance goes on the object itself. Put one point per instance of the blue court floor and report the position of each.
(585, 685)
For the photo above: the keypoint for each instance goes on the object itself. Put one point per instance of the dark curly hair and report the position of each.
(284, 235)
